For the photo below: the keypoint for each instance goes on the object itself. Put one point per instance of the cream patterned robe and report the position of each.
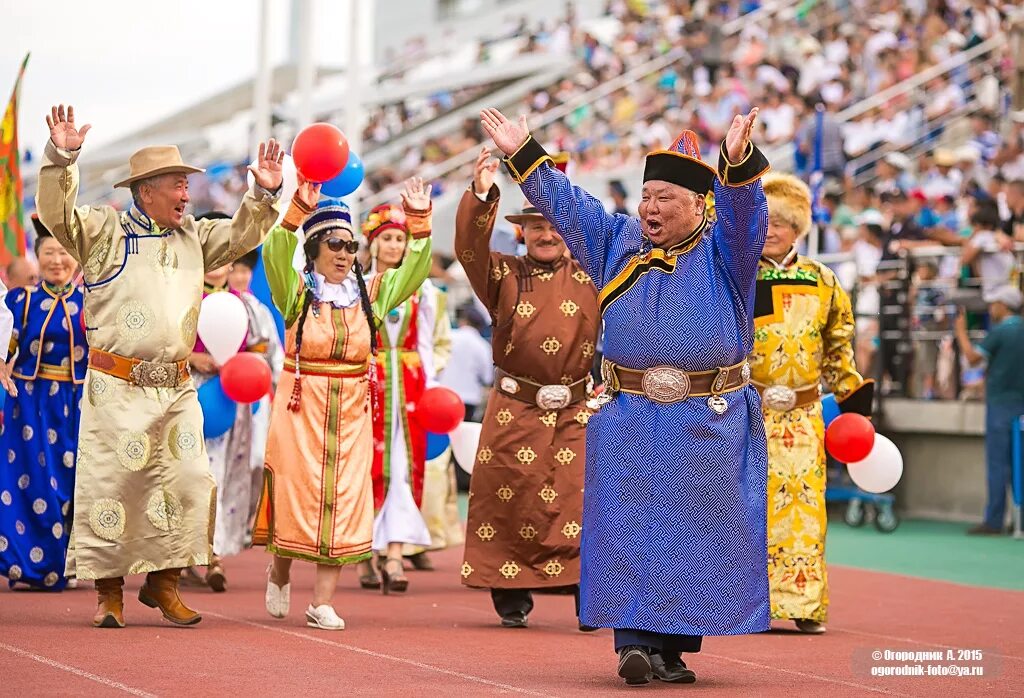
(144, 494)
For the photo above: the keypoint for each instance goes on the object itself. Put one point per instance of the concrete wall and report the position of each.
(943, 451)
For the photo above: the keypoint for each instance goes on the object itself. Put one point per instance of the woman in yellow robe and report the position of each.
(803, 338)
(317, 502)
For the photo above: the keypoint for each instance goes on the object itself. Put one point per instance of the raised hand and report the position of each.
(416, 197)
(63, 132)
(507, 135)
(268, 172)
(308, 192)
(5, 379)
(738, 137)
(483, 173)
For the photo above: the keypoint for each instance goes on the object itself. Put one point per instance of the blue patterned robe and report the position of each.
(40, 435)
(674, 519)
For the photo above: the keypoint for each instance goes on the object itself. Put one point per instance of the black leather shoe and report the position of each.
(634, 665)
(513, 620)
(584, 628)
(671, 669)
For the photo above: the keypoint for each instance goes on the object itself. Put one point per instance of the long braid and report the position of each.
(307, 302)
(364, 297)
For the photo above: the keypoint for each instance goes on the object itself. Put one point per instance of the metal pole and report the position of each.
(306, 66)
(262, 82)
(354, 112)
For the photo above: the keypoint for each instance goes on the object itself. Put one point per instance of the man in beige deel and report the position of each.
(144, 494)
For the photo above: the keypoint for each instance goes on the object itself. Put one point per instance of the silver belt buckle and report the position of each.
(780, 398)
(147, 374)
(666, 384)
(554, 397)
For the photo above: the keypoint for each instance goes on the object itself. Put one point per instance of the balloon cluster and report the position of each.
(244, 378)
(320, 153)
(874, 462)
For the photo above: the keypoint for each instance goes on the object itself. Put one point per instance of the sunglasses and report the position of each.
(337, 245)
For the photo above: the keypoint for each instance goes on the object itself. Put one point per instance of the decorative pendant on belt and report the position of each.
(718, 404)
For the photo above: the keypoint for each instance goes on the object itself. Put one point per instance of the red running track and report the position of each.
(440, 638)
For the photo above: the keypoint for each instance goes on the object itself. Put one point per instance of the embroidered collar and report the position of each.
(786, 262)
(139, 218)
(57, 291)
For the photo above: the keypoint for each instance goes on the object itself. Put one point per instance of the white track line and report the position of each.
(912, 641)
(76, 671)
(381, 655)
(816, 677)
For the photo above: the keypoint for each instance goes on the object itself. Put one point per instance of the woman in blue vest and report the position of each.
(44, 380)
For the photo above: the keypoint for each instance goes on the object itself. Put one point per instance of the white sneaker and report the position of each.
(324, 618)
(278, 599)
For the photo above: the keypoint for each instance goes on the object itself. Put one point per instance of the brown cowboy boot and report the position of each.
(110, 609)
(161, 591)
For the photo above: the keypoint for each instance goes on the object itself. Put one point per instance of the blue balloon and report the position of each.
(829, 408)
(218, 409)
(436, 444)
(346, 182)
(256, 406)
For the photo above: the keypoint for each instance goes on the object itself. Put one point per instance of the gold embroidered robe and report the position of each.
(526, 493)
(803, 337)
(144, 494)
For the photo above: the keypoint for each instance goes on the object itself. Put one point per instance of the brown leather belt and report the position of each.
(145, 374)
(666, 384)
(782, 398)
(546, 397)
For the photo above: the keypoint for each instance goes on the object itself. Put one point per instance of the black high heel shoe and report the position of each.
(397, 583)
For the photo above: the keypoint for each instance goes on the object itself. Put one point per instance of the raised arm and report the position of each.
(474, 225)
(394, 286)
(740, 204)
(225, 240)
(580, 218)
(79, 228)
(279, 249)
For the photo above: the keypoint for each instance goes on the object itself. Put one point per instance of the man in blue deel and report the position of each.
(674, 521)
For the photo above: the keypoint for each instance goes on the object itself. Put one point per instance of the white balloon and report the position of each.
(465, 441)
(223, 323)
(881, 470)
(289, 183)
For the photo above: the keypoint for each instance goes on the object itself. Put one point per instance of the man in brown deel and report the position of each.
(526, 494)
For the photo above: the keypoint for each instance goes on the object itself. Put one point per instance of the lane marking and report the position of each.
(381, 655)
(75, 670)
(803, 674)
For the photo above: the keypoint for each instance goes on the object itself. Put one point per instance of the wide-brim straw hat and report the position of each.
(529, 212)
(155, 160)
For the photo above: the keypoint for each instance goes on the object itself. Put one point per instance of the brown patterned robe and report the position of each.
(526, 494)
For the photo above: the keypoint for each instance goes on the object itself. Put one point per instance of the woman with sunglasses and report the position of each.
(405, 369)
(317, 502)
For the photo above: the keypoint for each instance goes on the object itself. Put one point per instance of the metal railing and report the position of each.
(635, 74)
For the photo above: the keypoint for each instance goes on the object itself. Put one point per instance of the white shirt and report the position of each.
(343, 295)
(469, 366)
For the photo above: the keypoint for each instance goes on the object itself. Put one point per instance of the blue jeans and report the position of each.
(1000, 421)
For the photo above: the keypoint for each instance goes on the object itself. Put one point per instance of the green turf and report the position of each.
(932, 550)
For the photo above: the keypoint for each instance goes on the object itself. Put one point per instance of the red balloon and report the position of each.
(320, 152)
(245, 377)
(440, 410)
(850, 437)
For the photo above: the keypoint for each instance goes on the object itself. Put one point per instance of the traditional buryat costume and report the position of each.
(525, 506)
(803, 337)
(674, 507)
(144, 495)
(317, 501)
(405, 368)
(40, 433)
